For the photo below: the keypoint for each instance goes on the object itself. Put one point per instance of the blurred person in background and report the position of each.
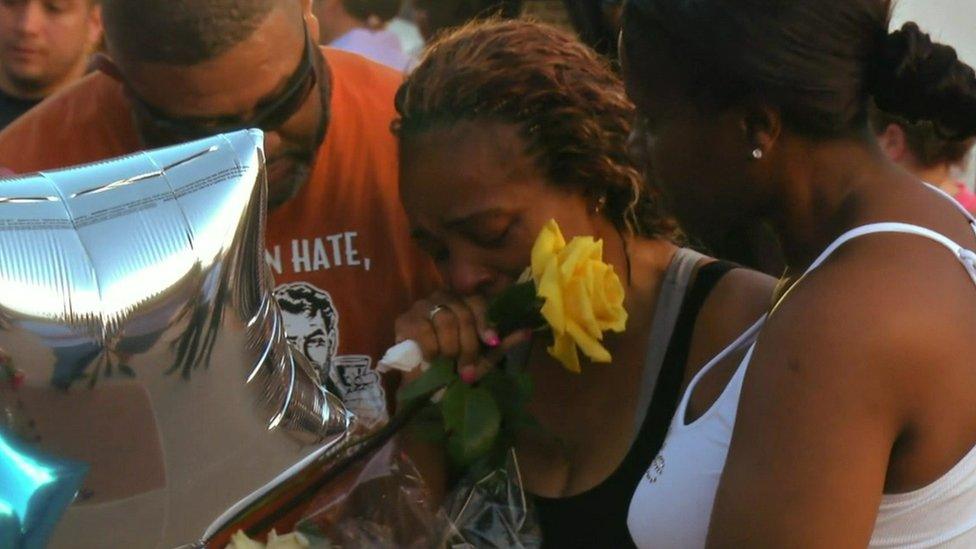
(434, 16)
(44, 46)
(403, 25)
(359, 26)
(919, 148)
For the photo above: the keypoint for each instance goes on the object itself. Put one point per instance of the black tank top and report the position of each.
(598, 517)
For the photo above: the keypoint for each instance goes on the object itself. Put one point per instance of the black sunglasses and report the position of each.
(270, 114)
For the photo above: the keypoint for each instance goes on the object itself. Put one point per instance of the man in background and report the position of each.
(44, 46)
(359, 26)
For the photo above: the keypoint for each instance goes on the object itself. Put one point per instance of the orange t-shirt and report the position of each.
(340, 250)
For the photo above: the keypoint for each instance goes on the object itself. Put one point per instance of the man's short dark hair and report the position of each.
(302, 298)
(180, 32)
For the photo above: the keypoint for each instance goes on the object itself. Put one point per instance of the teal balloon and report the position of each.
(35, 490)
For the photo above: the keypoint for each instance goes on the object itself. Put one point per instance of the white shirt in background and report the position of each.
(411, 41)
(381, 46)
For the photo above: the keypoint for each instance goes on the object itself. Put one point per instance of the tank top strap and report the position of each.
(670, 302)
(746, 339)
(965, 255)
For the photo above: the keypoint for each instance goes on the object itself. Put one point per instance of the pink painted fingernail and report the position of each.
(492, 339)
(469, 375)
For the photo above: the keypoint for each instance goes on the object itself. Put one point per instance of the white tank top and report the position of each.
(673, 503)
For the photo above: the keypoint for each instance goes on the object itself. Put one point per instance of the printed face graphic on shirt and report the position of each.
(311, 323)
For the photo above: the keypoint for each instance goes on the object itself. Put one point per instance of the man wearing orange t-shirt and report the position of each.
(337, 240)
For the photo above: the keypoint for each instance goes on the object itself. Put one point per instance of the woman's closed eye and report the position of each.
(491, 236)
(489, 229)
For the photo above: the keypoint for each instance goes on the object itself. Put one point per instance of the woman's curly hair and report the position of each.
(571, 110)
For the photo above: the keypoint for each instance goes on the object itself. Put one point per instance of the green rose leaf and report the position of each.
(504, 391)
(452, 405)
(474, 420)
(428, 425)
(440, 374)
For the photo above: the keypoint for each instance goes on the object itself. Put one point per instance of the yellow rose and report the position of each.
(583, 295)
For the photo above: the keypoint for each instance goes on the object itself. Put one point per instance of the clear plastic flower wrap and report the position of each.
(493, 511)
(380, 502)
(385, 503)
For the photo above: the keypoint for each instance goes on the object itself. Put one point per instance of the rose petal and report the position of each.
(578, 250)
(549, 242)
(579, 307)
(612, 295)
(590, 346)
(548, 288)
(596, 273)
(564, 350)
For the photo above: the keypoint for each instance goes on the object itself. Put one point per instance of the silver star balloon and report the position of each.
(136, 303)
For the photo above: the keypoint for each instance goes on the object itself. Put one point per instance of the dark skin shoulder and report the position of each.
(861, 384)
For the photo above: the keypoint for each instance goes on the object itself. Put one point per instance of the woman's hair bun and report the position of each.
(919, 79)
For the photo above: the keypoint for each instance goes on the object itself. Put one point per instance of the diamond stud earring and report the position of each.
(757, 153)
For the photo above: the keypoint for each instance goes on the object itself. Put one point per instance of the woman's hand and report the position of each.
(457, 328)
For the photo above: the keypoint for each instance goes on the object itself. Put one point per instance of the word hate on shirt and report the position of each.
(318, 254)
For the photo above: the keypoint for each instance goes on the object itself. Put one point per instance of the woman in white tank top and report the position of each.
(847, 416)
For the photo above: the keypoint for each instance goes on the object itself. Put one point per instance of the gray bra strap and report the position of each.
(669, 301)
